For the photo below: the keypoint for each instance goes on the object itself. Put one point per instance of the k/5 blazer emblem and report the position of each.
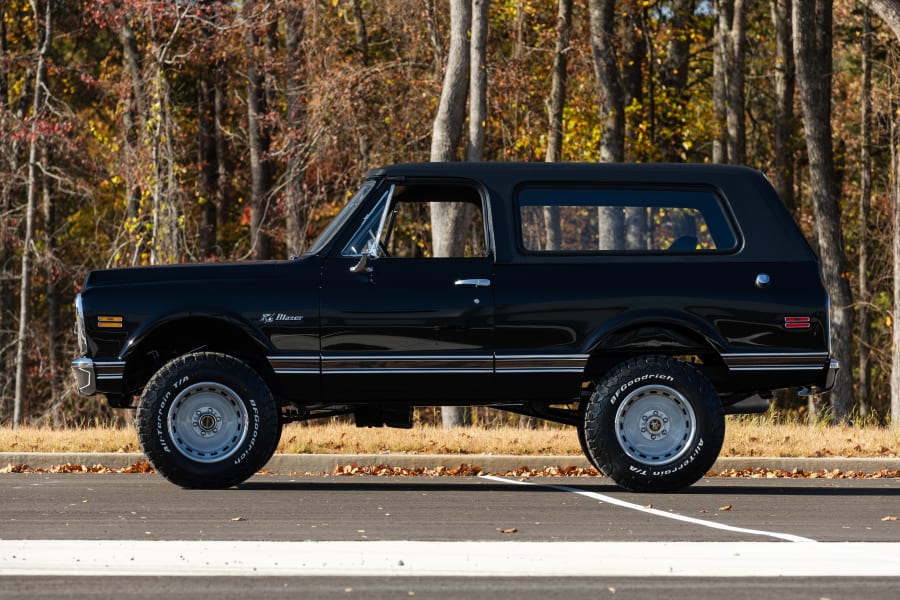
(269, 318)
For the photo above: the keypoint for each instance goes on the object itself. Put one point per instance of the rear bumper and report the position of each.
(833, 367)
(93, 376)
(775, 370)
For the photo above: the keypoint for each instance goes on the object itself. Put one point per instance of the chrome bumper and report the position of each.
(833, 367)
(88, 372)
(85, 379)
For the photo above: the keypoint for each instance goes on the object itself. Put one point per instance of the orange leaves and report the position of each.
(760, 473)
(463, 470)
(138, 467)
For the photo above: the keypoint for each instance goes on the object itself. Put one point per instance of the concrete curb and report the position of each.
(285, 464)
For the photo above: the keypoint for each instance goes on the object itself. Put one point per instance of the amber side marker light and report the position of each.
(109, 322)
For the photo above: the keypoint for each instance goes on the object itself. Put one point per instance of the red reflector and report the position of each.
(796, 322)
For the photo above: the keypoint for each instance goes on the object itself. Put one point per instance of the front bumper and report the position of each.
(92, 376)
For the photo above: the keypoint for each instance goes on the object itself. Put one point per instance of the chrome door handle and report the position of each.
(472, 283)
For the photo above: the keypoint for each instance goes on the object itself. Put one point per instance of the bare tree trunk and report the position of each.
(448, 219)
(783, 177)
(812, 21)
(720, 86)
(555, 105)
(223, 195)
(478, 80)
(448, 122)
(675, 78)
(209, 174)
(609, 79)
(295, 198)
(611, 220)
(135, 120)
(889, 11)
(635, 56)
(359, 29)
(50, 270)
(257, 137)
(865, 197)
(37, 111)
(728, 82)
(434, 36)
(165, 246)
(737, 43)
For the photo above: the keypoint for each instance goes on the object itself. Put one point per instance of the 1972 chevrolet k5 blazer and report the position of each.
(639, 303)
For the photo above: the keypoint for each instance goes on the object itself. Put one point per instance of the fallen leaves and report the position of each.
(468, 470)
(889, 518)
(726, 508)
(762, 473)
(509, 530)
(138, 467)
(463, 470)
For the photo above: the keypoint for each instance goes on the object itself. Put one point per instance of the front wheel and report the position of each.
(207, 420)
(654, 424)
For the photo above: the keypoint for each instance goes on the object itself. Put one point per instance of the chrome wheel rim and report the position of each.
(207, 422)
(655, 425)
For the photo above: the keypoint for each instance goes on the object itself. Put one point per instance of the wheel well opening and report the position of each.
(676, 341)
(180, 337)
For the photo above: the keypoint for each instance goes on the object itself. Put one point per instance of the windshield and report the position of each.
(342, 217)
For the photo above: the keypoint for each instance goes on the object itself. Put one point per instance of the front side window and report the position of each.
(623, 221)
(400, 225)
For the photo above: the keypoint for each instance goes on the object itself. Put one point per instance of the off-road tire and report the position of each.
(207, 420)
(654, 424)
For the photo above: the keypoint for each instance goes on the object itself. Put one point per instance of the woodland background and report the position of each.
(147, 132)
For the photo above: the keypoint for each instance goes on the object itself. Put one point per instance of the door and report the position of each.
(398, 323)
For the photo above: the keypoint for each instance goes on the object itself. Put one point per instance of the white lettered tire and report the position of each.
(207, 420)
(654, 424)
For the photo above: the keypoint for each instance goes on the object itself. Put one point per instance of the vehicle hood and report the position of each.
(204, 272)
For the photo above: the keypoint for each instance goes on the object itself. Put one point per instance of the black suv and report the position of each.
(639, 303)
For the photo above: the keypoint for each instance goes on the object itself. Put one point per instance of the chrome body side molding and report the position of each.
(776, 361)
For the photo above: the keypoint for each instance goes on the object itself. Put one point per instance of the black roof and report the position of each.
(766, 227)
(564, 170)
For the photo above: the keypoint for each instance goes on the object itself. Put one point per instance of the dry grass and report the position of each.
(744, 437)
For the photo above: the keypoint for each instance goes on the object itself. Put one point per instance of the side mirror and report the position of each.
(363, 265)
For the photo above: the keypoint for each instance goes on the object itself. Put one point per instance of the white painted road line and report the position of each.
(453, 559)
(659, 513)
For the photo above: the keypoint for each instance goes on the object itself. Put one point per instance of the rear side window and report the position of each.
(556, 219)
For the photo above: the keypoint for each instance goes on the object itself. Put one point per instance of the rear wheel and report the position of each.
(207, 420)
(654, 424)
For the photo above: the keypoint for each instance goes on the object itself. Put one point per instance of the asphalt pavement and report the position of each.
(137, 536)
